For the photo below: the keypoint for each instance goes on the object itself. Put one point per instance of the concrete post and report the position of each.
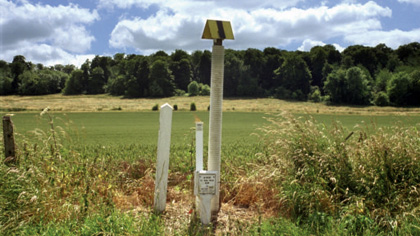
(162, 164)
(215, 123)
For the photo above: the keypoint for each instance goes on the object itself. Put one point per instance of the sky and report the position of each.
(70, 31)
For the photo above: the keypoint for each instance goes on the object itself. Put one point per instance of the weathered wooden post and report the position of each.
(9, 140)
(217, 31)
(162, 164)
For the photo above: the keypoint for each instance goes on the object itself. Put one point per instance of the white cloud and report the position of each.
(179, 26)
(30, 28)
(46, 54)
(180, 5)
(393, 38)
(415, 2)
(308, 44)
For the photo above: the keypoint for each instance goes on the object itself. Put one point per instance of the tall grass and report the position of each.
(55, 189)
(360, 181)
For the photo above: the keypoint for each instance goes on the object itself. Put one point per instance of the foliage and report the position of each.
(398, 89)
(294, 75)
(74, 83)
(381, 99)
(155, 107)
(193, 88)
(359, 181)
(247, 73)
(193, 107)
(349, 86)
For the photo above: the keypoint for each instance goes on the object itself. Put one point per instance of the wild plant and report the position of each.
(365, 176)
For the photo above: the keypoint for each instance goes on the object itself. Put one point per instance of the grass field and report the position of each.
(301, 174)
(116, 128)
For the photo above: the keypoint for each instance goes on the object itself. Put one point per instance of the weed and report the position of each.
(155, 107)
(193, 107)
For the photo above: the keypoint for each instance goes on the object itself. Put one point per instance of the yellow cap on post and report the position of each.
(216, 29)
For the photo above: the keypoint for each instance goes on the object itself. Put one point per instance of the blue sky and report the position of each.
(71, 31)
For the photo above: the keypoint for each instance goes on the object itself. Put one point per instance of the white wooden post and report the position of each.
(198, 160)
(215, 124)
(199, 146)
(162, 164)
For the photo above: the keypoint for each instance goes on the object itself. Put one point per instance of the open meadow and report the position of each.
(86, 167)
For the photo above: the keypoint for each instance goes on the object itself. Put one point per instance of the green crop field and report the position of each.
(116, 128)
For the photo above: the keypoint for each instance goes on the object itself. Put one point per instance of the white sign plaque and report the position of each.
(207, 183)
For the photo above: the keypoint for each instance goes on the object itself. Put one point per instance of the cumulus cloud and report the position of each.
(180, 26)
(308, 44)
(180, 5)
(415, 2)
(47, 55)
(393, 38)
(27, 29)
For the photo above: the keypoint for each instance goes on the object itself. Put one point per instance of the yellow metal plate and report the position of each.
(216, 29)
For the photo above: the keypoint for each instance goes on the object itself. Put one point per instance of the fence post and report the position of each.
(162, 164)
(9, 140)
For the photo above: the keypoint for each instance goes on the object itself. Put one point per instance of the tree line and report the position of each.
(359, 75)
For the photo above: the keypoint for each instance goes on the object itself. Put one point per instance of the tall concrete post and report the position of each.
(217, 31)
(215, 122)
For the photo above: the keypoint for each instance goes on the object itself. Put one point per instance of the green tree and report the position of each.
(204, 67)
(74, 85)
(97, 81)
(358, 90)
(232, 74)
(348, 86)
(398, 89)
(318, 59)
(161, 79)
(335, 86)
(381, 81)
(18, 66)
(68, 69)
(414, 91)
(409, 54)
(116, 85)
(254, 59)
(294, 75)
(181, 70)
(193, 88)
(5, 79)
(361, 55)
(272, 60)
(333, 55)
(86, 74)
(31, 84)
(195, 64)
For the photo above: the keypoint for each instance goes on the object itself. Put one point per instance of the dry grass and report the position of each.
(91, 103)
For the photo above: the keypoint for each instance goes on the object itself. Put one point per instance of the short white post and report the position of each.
(162, 164)
(215, 123)
(206, 189)
(199, 146)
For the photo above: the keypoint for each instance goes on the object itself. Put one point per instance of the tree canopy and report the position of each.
(359, 75)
